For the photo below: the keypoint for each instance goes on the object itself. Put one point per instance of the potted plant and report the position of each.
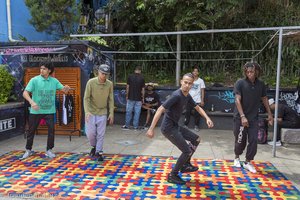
(6, 82)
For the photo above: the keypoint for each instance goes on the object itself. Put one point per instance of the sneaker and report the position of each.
(188, 168)
(50, 154)
(136, 128)
(125, 127)
(196, 128)
(277, 144)
(237, 162)
(175, 178)
(99, 156)
(248, 166)
(93, 152)
(27, 154)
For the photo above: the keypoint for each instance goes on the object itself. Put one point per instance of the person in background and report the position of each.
(99, 109)
(151, 103)
(40, 92)
(287, 118)
(249, 93)
(177, 134)
(135, 91)
(197, 92)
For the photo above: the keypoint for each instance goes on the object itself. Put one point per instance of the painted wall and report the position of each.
(20, 26)
(221, 98)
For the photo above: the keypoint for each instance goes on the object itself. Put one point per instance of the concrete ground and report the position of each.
(216, 144)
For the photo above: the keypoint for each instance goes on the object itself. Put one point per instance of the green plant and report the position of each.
(6, 82)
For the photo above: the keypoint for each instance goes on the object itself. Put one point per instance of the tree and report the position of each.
(169, 15)
(57, 17)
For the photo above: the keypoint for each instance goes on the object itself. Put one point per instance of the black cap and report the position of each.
(104, 68)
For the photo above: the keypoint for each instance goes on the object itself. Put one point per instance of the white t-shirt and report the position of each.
(195, 91)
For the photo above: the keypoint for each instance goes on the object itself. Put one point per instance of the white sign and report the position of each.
(7, 124)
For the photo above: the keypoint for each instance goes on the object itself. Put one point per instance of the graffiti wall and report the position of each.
(221, 99)
(289, 98)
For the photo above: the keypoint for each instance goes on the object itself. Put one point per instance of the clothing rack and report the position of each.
(73, 129)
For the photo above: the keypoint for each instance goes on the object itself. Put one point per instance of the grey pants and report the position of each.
(95, 129)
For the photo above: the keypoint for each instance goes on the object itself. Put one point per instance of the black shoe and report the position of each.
(93, 151)
(125, 128)
(175, 178)
(188, 168)
(99, 156)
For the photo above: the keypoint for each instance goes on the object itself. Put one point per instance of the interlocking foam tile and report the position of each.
(78, 176)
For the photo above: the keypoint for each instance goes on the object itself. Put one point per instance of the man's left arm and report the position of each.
(66, 89)
(111, 105)
(143, 94)
(61, 87)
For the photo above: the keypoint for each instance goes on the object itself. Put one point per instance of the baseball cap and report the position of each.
(104, 68)
(271, 101)
(150, 85)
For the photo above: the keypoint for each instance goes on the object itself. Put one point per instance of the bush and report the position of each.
(6, 82)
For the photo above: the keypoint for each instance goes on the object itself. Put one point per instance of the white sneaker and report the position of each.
(249, 167)
(50, 154)
(27, 154)
(237, 162)
(196, 128)
(277, 144)
(124, 127)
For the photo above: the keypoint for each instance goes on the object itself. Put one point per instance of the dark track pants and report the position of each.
(179, 136)
(244, 135)
(34, 121)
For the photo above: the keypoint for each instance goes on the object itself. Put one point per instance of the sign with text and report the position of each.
(7, 124)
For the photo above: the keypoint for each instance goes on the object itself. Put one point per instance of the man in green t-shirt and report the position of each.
(99, 109)
(42, 101)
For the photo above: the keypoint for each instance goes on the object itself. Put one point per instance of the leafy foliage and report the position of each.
(56, 17)
(217, 63)
(97, 40)
(6, 82)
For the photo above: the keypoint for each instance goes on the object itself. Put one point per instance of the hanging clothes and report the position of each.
(68, 109)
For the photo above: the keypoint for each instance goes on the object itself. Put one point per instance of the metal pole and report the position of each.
(277, 90)
(186, 32)
(114, 63)
(178, 57)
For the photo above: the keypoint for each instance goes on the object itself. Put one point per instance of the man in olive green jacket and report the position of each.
(99, 108)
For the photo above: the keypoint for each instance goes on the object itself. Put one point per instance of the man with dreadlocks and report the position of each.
(249, 93)
(179, 135)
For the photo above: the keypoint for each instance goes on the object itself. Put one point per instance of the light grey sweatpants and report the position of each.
(95, 129)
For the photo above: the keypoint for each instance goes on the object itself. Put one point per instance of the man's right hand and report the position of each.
(245, 122)
(34, 106)
(150, 133)
(87, 117)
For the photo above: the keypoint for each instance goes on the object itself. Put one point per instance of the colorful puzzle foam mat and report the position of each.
(78, 176)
